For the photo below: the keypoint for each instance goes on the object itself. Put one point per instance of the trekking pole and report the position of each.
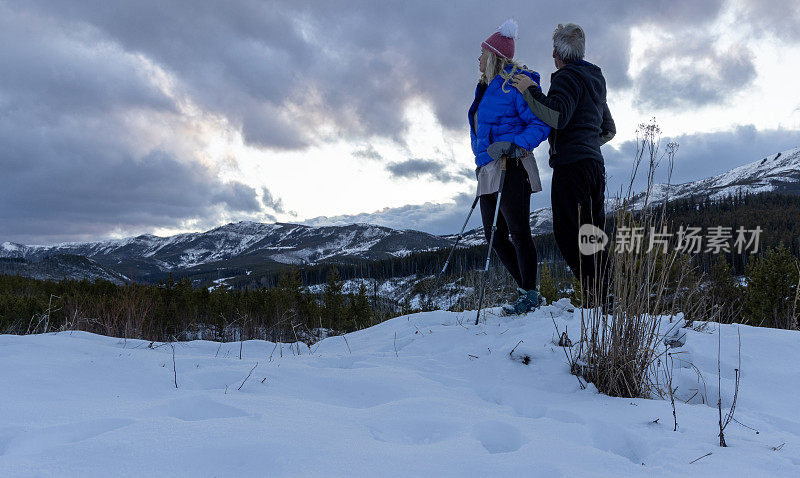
(450, 256)
(491, 238)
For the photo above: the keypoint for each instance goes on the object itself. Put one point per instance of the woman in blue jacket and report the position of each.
(500, 116)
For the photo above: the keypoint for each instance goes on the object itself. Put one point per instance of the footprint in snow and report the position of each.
(413, 432)
(498, 437)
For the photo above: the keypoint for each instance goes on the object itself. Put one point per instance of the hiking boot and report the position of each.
(527, 301)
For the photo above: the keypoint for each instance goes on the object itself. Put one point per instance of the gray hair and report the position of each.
(569, 42)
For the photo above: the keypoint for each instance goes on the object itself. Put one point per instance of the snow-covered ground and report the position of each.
(422, 395)
(220, 283)
(399, 289)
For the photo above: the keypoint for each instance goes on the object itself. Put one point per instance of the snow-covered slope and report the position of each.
(60, 266)
(421, 395)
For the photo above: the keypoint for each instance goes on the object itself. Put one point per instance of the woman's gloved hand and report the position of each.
(512, 151)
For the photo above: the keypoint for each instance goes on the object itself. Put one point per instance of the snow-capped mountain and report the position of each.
(281, 243)
(779, 173)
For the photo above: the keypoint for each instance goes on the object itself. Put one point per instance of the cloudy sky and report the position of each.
(143, 116)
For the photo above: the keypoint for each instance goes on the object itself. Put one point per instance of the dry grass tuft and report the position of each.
(618, 350)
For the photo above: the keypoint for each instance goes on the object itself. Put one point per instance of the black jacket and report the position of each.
(576, 109)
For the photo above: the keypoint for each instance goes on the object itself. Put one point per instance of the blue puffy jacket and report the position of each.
(503, 116)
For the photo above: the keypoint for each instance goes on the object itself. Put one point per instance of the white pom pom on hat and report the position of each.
(509, 29)
(502, 41)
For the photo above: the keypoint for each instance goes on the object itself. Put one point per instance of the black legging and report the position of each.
(518, 254)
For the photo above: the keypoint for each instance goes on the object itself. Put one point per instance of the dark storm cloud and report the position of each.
(89, 197)
(238, 197)
(84, 149)
(687, 73)
(414, 168)
(283, 70)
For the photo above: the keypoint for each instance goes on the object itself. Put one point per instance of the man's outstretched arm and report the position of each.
(555, 108)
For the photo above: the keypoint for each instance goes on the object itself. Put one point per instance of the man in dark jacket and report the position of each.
(576, 110)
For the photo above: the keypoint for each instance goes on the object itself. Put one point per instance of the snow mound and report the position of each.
(421, 395)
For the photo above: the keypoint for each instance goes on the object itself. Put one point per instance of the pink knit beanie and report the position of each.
(501, 42)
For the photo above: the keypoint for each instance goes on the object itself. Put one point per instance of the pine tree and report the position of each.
(547, 286)
(333, 299)
(359, 312)
(771, 297)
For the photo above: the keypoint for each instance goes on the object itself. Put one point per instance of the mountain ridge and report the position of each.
(283, 243)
